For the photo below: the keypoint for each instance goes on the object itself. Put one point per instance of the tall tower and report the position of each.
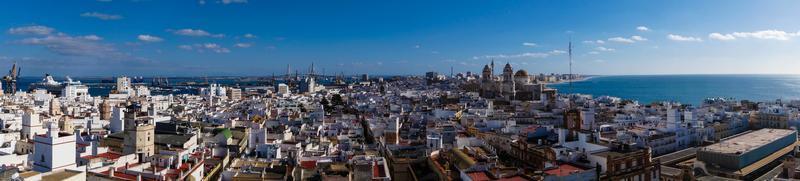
(570, 64)
(492, 67)
(508, 73)
(31, 125)
(487, 73)
(673, 118)
(123, 84)
(53, 151)
(55, 107)
(105, 110)
(139, 133)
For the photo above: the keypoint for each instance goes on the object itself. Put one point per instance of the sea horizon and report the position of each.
(688, 89)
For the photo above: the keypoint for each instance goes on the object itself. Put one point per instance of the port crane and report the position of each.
(11, 79)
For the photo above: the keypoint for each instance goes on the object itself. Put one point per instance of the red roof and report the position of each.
(514, 178)
(309, 164)
(108, 155)
(124, 176)
(478, 176)
(563, 170)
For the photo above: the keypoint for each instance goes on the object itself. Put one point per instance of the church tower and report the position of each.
(487, 74)
(508, 73)
(492, 70)
(139, 133)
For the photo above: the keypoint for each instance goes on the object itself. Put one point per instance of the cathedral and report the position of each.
(507, 86)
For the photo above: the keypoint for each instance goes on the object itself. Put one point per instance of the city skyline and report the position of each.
(258, 38)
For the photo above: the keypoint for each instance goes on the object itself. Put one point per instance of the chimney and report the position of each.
(111, 171)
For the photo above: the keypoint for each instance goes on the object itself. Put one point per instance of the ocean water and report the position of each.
(688, 89)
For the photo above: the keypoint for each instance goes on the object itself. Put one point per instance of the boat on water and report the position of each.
(51, 85)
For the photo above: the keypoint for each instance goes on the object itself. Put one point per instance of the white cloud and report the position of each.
(185, 47)
(191, 32)
(767, 35)
(417, 46)
(674, 37)
(248, 35)
(31, 30)
(205, 47)
(594, 42)
(642, 28)
(764, 35)
(243, 45)
(72, 46)
(522, 55)
(594, 52)
(91, 37)
(632, 39)
(195, 32)
(88, 46)
(101, 16)
(621, 40)
(557, 52)
(529, 44)
(718, 36)
(149, 38)
(605, 49)
(233, 1)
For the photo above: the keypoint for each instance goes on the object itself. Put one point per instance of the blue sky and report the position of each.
(240, 37)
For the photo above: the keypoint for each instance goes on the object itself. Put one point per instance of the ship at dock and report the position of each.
(51, 85)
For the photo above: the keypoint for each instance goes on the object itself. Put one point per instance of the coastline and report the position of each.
(576, 80)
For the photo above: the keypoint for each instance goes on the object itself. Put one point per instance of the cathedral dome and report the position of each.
(487, 69)
(521, 73)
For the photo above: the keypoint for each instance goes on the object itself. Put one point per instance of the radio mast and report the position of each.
(570, 65)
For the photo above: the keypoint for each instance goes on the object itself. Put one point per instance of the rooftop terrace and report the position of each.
(747, 142)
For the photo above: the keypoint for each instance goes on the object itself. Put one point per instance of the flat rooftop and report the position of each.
(747, 142)
(61, 175)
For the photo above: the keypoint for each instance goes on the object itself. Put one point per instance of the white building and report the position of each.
(75, 91)
(123, 84)
(214, 90)
(369, 168)
(31, 125)
(117, 122)
(283, 89)
(141, 91)
(53, 151)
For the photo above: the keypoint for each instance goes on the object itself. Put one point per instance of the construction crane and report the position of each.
(11, 79)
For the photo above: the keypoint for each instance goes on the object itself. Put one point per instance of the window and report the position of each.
(42, 160)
